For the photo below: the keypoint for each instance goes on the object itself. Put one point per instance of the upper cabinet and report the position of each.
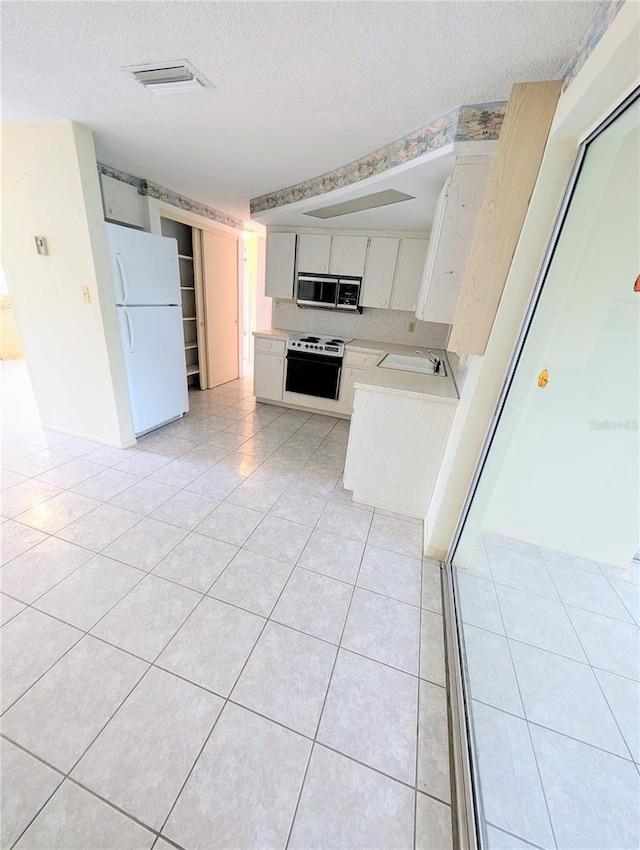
(280, 265)
(348, 255)
(314, 252)
(391, 267)
(409, 271)
(380, 271)
(121, 202)
(454, 224)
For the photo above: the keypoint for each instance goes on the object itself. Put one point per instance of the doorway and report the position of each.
(208, 261)
(544, 570)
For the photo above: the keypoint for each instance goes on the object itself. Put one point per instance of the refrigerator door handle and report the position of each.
(130, 329)
(123, 279)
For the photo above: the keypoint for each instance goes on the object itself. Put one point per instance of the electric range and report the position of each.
(332, 346)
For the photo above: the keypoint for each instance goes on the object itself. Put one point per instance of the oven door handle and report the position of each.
(314, 357)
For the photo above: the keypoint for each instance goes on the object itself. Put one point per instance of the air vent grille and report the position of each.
(168, 77)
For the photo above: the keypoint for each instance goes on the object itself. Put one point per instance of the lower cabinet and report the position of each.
(268, 376)
(356, 362)
(396, 445)
(350, 375)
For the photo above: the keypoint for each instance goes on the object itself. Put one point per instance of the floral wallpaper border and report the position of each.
(167, 196)
(479, 122)
(462, 123)
(602, 18)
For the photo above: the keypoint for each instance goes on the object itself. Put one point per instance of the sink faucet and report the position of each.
(434, 360)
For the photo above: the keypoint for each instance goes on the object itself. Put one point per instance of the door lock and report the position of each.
(543, 379)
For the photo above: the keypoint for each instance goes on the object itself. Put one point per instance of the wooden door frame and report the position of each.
(230, 234)
(199, 223)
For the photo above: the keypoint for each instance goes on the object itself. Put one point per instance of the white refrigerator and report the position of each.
(147, 292)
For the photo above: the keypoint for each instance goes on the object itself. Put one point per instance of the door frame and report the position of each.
(470, 825)
(158, 210)
(227, 234)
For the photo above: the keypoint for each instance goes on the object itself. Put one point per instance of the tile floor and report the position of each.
(206, 644)
(553, 654)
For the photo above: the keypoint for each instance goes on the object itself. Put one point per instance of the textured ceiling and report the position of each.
(300, 88)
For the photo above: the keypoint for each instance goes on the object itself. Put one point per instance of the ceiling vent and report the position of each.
(368, 202)
(168, 77)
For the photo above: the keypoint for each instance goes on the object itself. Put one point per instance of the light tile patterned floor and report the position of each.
(553, 653)
(206, 644)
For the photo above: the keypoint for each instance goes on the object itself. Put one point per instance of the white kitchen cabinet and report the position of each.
(409, 271)
(356, 362)
(121, 202)
(350, 376)
(395, 449)
(377, 283)
(348, 255)
(314, 252)
(280, 265)
(454, 225)
(268, 368)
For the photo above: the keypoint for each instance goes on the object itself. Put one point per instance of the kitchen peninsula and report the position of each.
(400, 420)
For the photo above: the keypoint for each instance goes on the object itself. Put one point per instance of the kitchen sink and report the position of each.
(412, 363)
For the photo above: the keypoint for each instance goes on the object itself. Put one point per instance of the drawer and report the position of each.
(362, 359)
(270, 345)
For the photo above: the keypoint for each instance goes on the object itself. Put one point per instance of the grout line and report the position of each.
(519, 838)
(415, 799)
(297, 472)
(538, 725)
(324, 701)
(226, 702)
(528, 728)
(550, 651)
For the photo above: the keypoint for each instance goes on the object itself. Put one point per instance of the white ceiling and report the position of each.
(300, 88)
(422, 179)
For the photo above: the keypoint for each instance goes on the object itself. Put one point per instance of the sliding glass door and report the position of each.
(546, 585)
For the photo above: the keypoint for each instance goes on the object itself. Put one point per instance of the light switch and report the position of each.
(86, 296)
(41, 246)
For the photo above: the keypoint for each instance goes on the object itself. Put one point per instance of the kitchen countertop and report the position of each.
(393, 381)
(275, 332)
(398, 382)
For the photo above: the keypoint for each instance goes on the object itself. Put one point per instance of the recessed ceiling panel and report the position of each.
(368, 202)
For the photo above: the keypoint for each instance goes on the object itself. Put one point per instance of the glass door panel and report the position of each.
(546, 585)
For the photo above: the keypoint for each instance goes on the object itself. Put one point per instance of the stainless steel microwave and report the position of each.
(329, 291)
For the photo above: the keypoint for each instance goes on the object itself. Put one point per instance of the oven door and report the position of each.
(317, 291)
(313, 374)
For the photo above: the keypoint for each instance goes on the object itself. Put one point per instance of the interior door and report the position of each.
(220, 272)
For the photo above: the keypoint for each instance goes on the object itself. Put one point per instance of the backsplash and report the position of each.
(383, 325)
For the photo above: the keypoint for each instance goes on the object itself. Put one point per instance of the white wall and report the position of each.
(608, 75)
(264, 304)
(50, 188)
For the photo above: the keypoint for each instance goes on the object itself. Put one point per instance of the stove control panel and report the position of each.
(329, 345)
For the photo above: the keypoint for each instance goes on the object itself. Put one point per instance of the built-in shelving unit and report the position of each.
(184, 235)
